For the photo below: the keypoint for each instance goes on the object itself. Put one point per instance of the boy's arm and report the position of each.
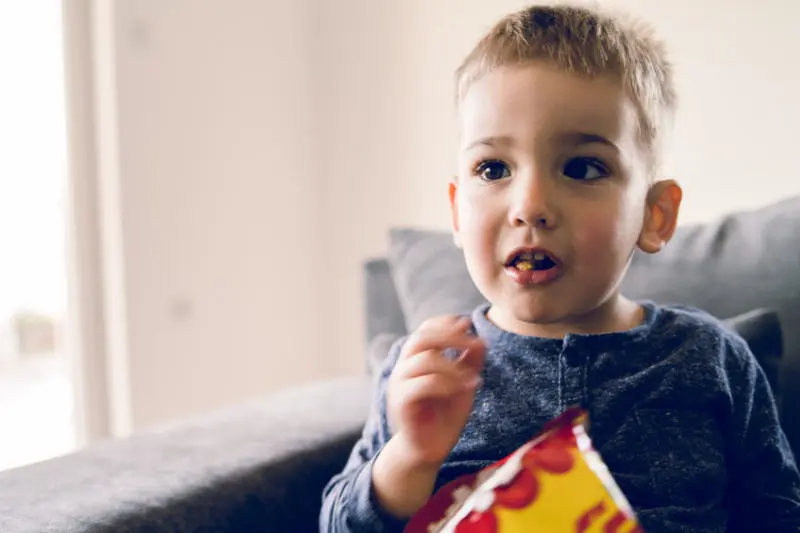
(766, 484)
(349, 502)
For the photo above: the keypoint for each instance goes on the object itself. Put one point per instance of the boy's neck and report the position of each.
(616, 314)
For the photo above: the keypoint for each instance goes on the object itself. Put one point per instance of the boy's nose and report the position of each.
(530, 206)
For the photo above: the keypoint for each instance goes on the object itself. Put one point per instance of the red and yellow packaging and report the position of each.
(556, 483)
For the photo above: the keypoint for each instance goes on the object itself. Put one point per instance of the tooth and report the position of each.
(539, 256)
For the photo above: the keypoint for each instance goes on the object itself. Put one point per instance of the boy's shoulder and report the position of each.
(698, 335)
(675, 319)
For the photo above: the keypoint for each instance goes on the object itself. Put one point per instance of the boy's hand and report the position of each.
(429, 396)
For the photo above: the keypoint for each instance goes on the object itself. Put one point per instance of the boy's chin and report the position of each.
(551, 317)
(524, 315)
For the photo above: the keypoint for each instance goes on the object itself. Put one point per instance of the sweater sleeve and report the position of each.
(348, 501)
(764, 478)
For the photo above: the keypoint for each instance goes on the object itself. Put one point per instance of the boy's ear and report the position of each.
(661, 215)
(453, 192)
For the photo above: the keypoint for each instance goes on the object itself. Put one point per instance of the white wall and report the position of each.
(264, 149)
(214, 286)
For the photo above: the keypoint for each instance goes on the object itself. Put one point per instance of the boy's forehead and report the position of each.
(542, 101)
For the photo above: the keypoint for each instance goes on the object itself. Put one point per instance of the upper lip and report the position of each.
(531, 250)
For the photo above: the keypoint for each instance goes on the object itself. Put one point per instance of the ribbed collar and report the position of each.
(493, 335)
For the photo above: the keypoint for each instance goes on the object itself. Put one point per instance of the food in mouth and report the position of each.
(532, 261)
(531, 266)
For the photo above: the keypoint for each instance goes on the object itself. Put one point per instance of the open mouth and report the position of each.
(524, 260)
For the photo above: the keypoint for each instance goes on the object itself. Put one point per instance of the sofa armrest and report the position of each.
(255, 467)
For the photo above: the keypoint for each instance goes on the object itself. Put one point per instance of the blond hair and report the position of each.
(587, 42)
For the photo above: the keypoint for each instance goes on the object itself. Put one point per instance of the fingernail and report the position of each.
(474, 382)
(452, 353)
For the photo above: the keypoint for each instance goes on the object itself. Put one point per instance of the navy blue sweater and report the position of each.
(679, 410)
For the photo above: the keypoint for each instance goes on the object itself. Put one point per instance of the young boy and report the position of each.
(562, 113)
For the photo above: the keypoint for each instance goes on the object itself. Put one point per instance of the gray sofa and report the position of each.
(262, 466)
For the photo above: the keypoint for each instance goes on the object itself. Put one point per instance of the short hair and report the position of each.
(587, 42)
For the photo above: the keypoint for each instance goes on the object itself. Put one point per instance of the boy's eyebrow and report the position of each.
(571, 138)
(580, 138)
(493, 140)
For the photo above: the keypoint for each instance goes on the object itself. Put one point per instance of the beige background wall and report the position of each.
(266, 147)
(218, 275)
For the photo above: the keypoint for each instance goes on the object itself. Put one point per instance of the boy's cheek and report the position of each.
(602, 248)
(596, 236)
(478, 235)
(474, 214)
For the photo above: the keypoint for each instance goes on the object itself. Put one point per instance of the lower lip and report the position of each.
(533, 277)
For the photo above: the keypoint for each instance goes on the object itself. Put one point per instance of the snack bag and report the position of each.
(556, 483)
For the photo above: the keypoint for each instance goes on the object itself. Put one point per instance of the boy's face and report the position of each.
(549, 163)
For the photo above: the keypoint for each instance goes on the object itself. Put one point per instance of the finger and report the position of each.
(456, 336)
(445, 322)
(440, 343)
(434, 387)
(432, 362)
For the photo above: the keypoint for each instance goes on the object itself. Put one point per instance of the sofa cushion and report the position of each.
(249, 468)
(382, 306)
(430, 275)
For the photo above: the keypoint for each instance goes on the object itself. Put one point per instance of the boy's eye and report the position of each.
(492, 170)
(585, 169)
